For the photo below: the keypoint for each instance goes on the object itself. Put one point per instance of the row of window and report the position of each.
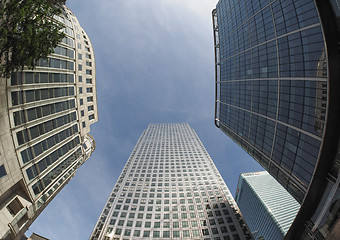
(28, 134)
(64, 51)
(39, 186)
(27, 96)
(31, 114)
(174, 224)
(18, 78)
(87, 55)
(166, 202)
(55, 63)
(192, 215)
(88, 90)
(39, 167)
(31, 152)
(174, 234)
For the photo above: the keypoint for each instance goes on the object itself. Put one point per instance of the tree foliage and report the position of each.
(28, 32)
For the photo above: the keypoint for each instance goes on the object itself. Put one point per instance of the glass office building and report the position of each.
(277, 96)
(170, 189)
(266, 206)
(45, 118)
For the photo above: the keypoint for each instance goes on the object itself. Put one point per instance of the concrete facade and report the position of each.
(45, 118)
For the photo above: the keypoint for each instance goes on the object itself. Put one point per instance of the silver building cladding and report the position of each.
(267, 207)
(170, 188)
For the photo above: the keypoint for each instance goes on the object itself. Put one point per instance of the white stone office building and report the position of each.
(170, 189)
(45, 118)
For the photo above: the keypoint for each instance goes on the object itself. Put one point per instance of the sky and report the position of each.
(154, 64)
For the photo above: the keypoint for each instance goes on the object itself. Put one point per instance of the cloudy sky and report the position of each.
(154, 63)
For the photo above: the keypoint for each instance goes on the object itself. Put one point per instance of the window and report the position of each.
(80, 56)
(166, 234)
(195, 233)
(136, 233)
(82, 113)
(166, 225)
(175, 234)
(83, 124)
(118, 231)
(147, 224)
(156, 234)
(80, 78)
(185, 224)
(79, 45)
(89, 90)
(194, 223)
(2, 171)
(214, 231)
(205, 232)
(127, 232)
(146, 234)
(186, 233)
(80, 67)
(15, 206)
(80, 90)
(89, 80)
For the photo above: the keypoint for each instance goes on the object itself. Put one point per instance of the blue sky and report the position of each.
(154, 63)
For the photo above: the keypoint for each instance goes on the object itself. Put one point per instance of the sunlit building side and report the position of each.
(170, 189)
(45, 118)
(266, 206)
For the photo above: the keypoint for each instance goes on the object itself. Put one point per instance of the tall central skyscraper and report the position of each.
(170, 188)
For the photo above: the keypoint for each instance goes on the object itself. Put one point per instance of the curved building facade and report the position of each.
(277, 96)
(45, 121)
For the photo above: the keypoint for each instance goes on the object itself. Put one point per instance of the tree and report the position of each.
(28, 32)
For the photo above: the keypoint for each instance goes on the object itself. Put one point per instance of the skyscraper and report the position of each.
(266, 206)
(45, 118)
(277, 96)
(170, 188)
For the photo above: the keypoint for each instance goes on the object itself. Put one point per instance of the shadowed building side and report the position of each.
(277, 96)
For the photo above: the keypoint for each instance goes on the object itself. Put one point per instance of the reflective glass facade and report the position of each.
(170, 189)
(277, 96)
(273, 85)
